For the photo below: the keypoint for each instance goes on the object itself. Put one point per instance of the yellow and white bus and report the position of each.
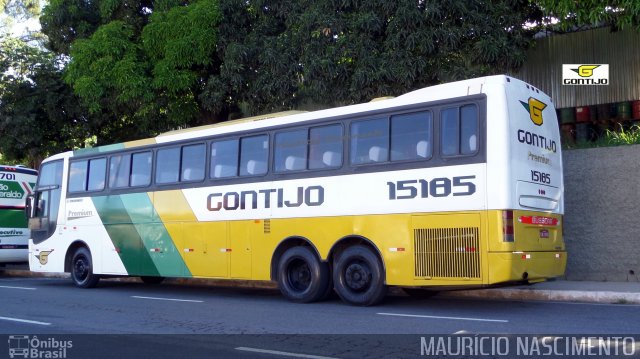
(16, 183)
(455, 185)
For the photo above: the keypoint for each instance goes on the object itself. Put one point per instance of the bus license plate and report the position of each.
(544, 233)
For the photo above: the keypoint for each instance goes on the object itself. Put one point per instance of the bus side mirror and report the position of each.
(29, 208)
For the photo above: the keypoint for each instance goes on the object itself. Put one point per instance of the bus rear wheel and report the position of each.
(82, 269)
(302, 278)
(358, 277)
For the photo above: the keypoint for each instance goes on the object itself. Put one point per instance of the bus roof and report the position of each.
(427, 94)
(18, 169)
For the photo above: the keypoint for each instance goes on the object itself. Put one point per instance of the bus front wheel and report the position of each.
(82, 269)
(358, 277)
(302, 278)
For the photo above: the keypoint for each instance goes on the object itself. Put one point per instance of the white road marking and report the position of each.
(451, 318)
(24, 321)
(9, 287)
(286, 354)
(169, 299)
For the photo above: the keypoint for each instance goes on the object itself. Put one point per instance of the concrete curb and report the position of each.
(604, 297)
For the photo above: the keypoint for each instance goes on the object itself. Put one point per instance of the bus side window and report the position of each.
(254, 155)
(290, 153)
(168, 165)
(78, 176)
(193, 159)
(119, 171)
(469, 129)
(450, 131)
(369, 141)
(224, 159)
(325, 147)
(141, 169)
(411, 136)
(459, 136)
(97, 174)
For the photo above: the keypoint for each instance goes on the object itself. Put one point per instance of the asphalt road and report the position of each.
(173, 320)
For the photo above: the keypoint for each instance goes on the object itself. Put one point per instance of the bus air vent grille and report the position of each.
(447, 253)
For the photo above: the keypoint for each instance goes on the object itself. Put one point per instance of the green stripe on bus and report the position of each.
(12, 218)
(125, 237)
(154, 235)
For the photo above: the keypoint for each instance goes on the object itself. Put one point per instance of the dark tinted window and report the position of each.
(141, 169)
(411, 136)
(193, 161)
(325, 147)
(459, 130)
(469, 129)
(224, 159)
(254, 155)
(290, 153)
(78, 176)
(119, 170)
(87, 175)
(97, 174)
(168, 165)
(369, 141)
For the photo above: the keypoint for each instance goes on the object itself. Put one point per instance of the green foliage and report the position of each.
(39, 115)
(621, 136)
(573, 13)
(146, 77)
(108, 66)
(356, 51)
(64, 21)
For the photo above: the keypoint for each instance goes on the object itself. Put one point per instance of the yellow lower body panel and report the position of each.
(510, 267)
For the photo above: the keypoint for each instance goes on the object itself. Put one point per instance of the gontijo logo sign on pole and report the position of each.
(585, 74)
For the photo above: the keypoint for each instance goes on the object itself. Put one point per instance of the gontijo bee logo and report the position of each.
(579, 74)
(534, 107)
(585, 70)
(43, 257)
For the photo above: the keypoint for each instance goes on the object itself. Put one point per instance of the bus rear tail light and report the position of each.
(507, 226)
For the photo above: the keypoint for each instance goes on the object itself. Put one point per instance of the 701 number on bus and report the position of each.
(437, 187)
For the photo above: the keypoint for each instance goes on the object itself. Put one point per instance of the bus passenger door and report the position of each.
(45, 206)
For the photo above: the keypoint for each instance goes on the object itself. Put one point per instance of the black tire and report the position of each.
(151, 280)
(302, 278)
(82, 269)
(358, 277)
(420, 293)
